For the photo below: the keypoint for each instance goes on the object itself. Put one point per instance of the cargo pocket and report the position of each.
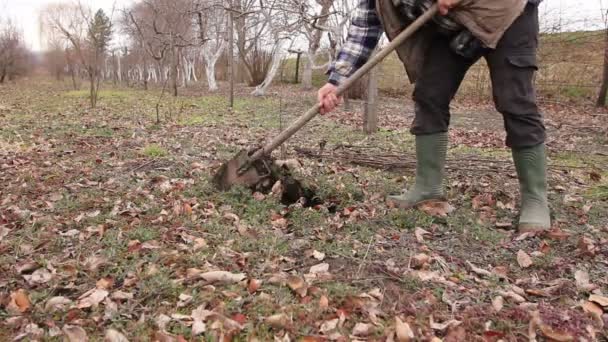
(523, 61)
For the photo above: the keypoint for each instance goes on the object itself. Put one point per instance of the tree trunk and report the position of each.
(174, 68)
(601, 100)
(93, 90)
(210, 72)
(260, 90)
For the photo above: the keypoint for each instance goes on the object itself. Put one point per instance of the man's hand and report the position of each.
(328, 99)
(446, 5)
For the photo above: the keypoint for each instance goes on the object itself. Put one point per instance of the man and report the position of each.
(512, 64)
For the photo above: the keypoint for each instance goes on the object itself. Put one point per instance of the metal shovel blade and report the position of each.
(240, 170)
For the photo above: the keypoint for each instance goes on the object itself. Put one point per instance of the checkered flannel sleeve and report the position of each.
(363, 35)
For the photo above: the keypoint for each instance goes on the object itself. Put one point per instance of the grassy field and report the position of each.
(571, 66)
(110, 226)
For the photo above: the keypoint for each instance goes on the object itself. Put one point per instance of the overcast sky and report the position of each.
(570, 14)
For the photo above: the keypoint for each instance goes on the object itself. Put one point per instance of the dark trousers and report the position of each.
(512, 66)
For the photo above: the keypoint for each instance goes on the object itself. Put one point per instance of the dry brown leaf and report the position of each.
(420, 260)
(601, 300)
(587, 246)
(559, 336)
(19, 302)
(479, 271)
(510, 294)
(57, 304)
(3, 232)
(594, 309)
(329, 326)
(420, 233)
(582, 281)
(523, 259)
(323, 302)
(92, 298)
(445, 325)
(403, 331)
(105, 283)
(436, 208)
(320, 268)
(75, 333)
(297, 285)
(498, 303)
(318, 255)
(114, 336)
(40, 276)
(253, 286)
(363, 329)
(456, 334)
(278, 321)
(222, 277)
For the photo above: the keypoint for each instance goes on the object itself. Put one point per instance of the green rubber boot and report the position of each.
(531, 165)
(430, 168)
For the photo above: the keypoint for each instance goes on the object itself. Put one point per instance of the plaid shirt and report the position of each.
(363, 35)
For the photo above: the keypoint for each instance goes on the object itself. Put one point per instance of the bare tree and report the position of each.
(88, 35)
(15, 58)
(164, 26)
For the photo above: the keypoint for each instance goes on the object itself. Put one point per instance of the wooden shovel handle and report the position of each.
(375, 60)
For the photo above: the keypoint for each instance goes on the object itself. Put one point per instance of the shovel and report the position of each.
(249, 169)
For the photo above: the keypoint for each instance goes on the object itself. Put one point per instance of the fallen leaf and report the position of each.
(594, 309)
(222, 277)
(92, 298)
(329, 326)
(559, 336)
(40, 276)
(278, 321)
(445, 325)
(403, 331)
(510, 294)
(297, 285)
(318, 255)
(75, 333)
(363, 329)
(601, 300)
(498, 303)
(582, 281)
(420, 260)
(57, 304)
(323, 302)
(320, 268)
(3, 232)
(198, 327)
(479, 271)
(114, 336)
(523, 259)
(105, 283)
(19, 302)
(420, 233)
(253, 286)
(456, 334)
(161, 321)
(436, 208)
(587, 246)
(121, 295)
(557, 234)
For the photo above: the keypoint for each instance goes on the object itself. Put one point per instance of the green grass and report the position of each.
(154, 151)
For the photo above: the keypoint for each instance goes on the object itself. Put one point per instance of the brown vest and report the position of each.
(486, 19)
